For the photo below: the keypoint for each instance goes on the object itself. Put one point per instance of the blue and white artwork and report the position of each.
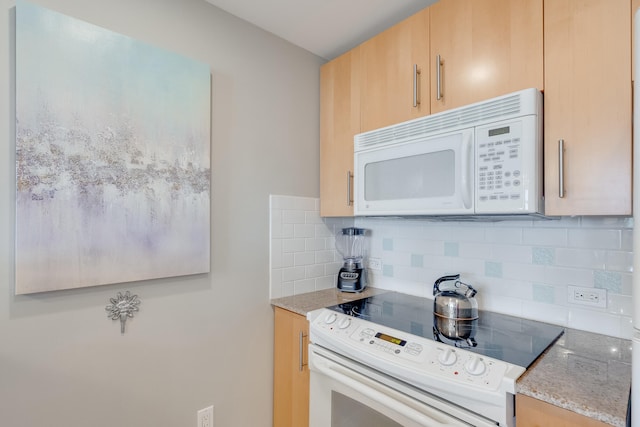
(112, 157)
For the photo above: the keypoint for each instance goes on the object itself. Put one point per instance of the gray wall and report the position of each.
(197, 340)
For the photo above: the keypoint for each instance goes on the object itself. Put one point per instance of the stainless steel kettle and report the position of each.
(457, 303)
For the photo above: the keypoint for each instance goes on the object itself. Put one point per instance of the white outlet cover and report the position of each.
(593, 297)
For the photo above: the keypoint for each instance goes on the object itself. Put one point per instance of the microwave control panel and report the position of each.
(506, 167)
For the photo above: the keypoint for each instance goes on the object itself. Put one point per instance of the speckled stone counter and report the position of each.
(304, 303)
(586, 373)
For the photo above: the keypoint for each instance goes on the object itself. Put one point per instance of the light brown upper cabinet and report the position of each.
(339, 122)
(587, 97)
(395, 74)
(484, 48)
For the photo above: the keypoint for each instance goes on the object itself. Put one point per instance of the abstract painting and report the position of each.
(112, 157)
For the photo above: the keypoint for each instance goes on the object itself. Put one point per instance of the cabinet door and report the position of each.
(532, 412)
(339, 122)
(486, 48)
(290, 371)
(587, 107)
(395, 73)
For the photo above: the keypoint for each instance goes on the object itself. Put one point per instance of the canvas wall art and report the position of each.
(112, 157)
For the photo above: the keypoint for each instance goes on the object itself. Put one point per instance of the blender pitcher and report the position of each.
(351, 244)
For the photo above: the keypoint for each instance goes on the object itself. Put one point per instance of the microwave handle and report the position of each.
(465, 165)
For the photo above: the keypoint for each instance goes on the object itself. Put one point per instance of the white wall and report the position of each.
(522, 268)
(197, 340)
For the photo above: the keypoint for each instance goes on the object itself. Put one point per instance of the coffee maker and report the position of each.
(350, 243)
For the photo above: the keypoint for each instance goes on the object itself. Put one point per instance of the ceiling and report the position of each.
(326, 28)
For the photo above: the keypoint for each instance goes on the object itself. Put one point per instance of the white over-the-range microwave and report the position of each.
(483, 159)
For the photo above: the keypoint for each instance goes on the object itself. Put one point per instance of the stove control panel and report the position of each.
(405, 355)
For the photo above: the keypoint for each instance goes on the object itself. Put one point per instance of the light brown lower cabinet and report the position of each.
(290, 370)
(532, 412)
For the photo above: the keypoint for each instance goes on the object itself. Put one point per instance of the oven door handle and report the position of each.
(396, 401)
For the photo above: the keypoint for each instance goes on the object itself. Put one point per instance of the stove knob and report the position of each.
(475, 366)
(331, 317)
(344, 323)
(447, 357)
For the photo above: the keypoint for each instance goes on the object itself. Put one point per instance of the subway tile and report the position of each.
(583, 258)
(509, 235)
(312, 217)
(404, 272)
(607, 222)
(543, 256)
(543, 293)
(304, 258)
(287, 260)
(314, 244)
(332, 268)
(627, 240)
(593, 320)
(314, 271)
(493, 269)
(511, 253)
(545, 236)
(620, 261)
(323, 257)
(621, 305)
(287, 289)
(387, 244)
(387, 270)
(561, 222)
(304, 286)
(609, 280)
(595, 239)
(293, 217)
(474, 250)
(519, 271)
(286, 232)
(451, 249)
(292, 274)
(304, 230)
(626, 327)
(554, 275)
(275, 253)
(543, 312)
(325, 282)
(293, 245)
(417, 260)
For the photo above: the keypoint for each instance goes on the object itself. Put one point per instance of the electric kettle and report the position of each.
(457, 302)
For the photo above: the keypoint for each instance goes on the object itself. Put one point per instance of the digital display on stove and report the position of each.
(391, 339)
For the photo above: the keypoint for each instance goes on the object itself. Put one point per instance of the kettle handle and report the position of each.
(436, 285)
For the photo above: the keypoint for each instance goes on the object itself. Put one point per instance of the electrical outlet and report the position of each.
(587, 296)
(375, 264)
(205, 417)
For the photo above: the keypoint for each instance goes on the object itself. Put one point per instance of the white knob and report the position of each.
(331, 317)
(475, 366)
(344, 323)
(447, 357)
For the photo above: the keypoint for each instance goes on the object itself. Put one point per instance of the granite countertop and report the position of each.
(584, 372)
(304, 303)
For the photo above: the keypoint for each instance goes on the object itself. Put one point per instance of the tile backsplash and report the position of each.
(522, 268)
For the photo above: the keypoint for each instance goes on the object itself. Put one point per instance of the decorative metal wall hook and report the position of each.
(121, 307)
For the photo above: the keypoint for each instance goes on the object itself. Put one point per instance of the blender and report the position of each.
(350, 243)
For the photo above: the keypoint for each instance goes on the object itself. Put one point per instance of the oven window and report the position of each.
(346, 412)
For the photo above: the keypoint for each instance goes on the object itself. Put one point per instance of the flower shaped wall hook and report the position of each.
(121, 307)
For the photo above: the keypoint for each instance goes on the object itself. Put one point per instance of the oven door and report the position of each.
(345, 393)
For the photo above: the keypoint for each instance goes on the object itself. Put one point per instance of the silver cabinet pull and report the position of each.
(561, 168)
(438, 77)
(301, 363)
(349, 198)
(416, 73)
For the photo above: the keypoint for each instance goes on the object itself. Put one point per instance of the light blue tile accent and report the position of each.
(387, 270)
(608, 280)
(417, 260)
(387, 244)
(544, 256)
(492, 269)
(544, 293)
(451, 248)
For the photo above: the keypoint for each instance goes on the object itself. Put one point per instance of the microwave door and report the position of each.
(425, 176)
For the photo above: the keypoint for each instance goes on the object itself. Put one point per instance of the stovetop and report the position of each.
(499, 336)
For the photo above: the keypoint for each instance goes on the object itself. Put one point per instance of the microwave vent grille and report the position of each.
(472, 115)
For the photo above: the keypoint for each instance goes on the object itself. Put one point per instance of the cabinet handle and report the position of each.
(561, 168)
(438, 77)
(349, 198)
(416, 73)
(301, 338)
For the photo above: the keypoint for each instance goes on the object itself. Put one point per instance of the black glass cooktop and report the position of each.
(511, 339)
